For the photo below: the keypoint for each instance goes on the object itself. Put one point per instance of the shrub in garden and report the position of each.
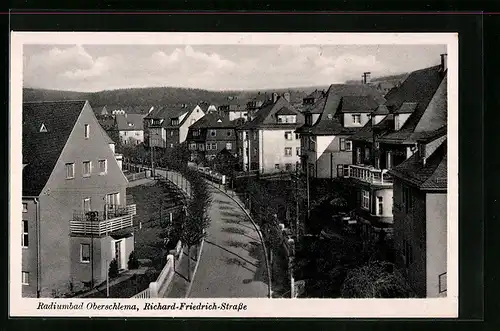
(113, 269)
(133, 262)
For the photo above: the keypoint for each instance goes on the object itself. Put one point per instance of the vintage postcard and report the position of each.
(234, 174)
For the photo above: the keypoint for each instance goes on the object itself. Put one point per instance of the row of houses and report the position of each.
(389, 149)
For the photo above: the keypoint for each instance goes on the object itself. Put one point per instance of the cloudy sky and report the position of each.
(215, 67)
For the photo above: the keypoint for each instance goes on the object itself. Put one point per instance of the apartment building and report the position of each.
(130, 128)
(420, 217)
(168, 126)
(329, 123)
(75, 217)
(211, 134)
(415, 110)
(269, 141)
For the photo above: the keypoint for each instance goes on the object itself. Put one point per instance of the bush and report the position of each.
(113, 269)
(133, 262)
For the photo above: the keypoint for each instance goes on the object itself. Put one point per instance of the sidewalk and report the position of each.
(143, 181)
(179, 287)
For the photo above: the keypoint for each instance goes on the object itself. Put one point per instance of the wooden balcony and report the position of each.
(102, 222)
(368, 174)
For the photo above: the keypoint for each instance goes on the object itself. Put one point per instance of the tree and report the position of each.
(113, 269)
(376, 279)
(133, 262)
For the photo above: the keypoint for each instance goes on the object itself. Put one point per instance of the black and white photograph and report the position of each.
(191, 174)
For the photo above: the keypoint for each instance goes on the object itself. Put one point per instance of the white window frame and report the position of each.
(25, 207)
(288, 149)
(288, 135)
(25, 278)
(105, 166)
(229, 146)
(297, 136)
(356, 118)
(380, 202)
(297, 151)
(213, 133)
(25, 236)
(81, 253)
(348, 145)
(365, 199)
(72, 170)
(112, 199)
(83, 168)
(86, 131)
(84, 202)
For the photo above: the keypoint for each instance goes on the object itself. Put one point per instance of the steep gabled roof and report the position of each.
(213, 120)
(357, 104)
(419, 88)
(168, 113)
(431, 176)
(315, 94)
(41, 150)
(362, 95)
(265, 116)
(130, 122)
(406, 108)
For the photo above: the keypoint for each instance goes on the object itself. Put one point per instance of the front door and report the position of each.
(118, 254)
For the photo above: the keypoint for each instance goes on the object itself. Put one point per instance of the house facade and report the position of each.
(420, 218)
(269, 142)
(130, 128)
(329, 123)
(211, 134)
(75, 215)
(168, 126)
(417, 109)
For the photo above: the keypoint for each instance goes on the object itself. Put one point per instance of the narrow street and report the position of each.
(232, 263)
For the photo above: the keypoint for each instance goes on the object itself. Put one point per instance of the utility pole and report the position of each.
(152, 161)
(107, 280)
(297, 201)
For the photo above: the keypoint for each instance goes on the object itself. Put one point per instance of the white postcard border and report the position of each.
(362, 308)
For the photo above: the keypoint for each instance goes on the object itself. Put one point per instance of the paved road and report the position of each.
(232, 263)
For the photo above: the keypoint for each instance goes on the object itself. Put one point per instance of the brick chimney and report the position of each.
(286, 95)
(444, 62)
(366, 77)
(275, 97)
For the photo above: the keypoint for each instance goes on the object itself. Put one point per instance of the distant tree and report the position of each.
(113, 269)
(225, 163)
(376, 279)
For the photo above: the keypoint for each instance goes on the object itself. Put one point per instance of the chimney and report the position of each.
(275, 97)
(444, 62)
(366, 77)
(286, 95)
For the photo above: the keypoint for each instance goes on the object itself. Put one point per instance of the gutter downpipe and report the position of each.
(37, 215)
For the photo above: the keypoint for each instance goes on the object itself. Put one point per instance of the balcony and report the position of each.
(368, 174)
(102, 222)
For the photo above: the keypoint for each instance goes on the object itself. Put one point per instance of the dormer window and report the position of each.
(43, 128)
(196, 133)
(175, 121)
(356, 119)
(309, 119)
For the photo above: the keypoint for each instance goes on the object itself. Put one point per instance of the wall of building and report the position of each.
(29, 254)
(195, 115)
(157, 137)
(349, 123)
(61, 197)
(436, 241)
(272, 149)
(329, 156)
(411, 227)
(172, 138)
(132, 136)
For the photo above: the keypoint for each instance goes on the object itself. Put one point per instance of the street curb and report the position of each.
(195, 269)
(257, 228)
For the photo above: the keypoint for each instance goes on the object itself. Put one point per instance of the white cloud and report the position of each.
(265, 67)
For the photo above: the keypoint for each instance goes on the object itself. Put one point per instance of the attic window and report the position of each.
(130, 124)
(219, 121)
(43, 128)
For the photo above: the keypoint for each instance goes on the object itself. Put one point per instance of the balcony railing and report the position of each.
(368, 174)
(99, 223)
